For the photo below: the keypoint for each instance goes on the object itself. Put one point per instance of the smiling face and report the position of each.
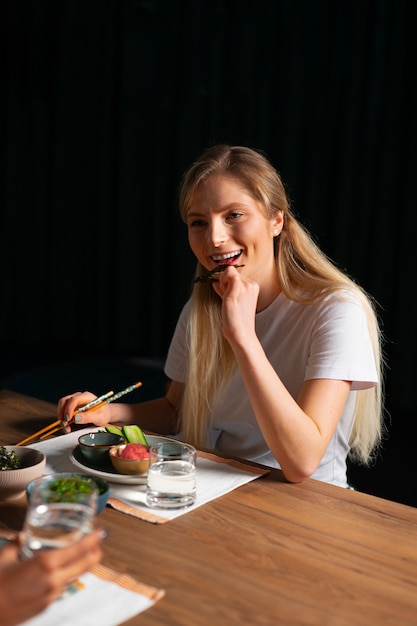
(226, 224)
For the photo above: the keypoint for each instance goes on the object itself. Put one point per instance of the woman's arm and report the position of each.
(159, 415)
(297, 431)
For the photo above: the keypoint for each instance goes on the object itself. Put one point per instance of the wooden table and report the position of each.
(268, 553)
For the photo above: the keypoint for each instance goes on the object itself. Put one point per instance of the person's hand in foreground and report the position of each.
(28, 587)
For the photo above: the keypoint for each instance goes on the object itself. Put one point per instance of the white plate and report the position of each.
(109, 473)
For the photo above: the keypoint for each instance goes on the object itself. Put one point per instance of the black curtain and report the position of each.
(106, 102)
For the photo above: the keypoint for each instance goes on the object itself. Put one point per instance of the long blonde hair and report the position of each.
(305, 274)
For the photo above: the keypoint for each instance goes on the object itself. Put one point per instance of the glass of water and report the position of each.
(171, 480)
(61, 509)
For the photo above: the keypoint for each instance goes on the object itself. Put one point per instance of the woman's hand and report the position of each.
(28, 587)
(68, 405)
(239, 302)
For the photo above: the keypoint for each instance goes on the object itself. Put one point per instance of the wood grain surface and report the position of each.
(267, 553)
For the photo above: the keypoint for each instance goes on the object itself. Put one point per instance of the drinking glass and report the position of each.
(60, 511)
(171, 480)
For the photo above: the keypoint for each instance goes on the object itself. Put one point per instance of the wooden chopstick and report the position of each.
(41, 431)
(51, 432)
(55, 426)
(95, 404)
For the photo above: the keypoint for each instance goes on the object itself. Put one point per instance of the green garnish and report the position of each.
(69, 487)
(9, 459)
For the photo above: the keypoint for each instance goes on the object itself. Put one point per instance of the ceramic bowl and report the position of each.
(13, 482)
(95, 446)
(129, 466)
(102, 486)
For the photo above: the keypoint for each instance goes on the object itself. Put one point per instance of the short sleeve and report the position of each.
(176, 362)
(341, 346)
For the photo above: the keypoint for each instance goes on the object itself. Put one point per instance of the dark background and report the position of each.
(106, 102)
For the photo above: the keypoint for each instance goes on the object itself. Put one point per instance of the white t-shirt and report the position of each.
(329, 339)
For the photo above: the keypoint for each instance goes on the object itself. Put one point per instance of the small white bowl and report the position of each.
(13, 482)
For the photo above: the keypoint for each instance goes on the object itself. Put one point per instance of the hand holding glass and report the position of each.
(57, 517)
(171, 481)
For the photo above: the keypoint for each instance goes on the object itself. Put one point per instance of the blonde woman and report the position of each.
(276, 356)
